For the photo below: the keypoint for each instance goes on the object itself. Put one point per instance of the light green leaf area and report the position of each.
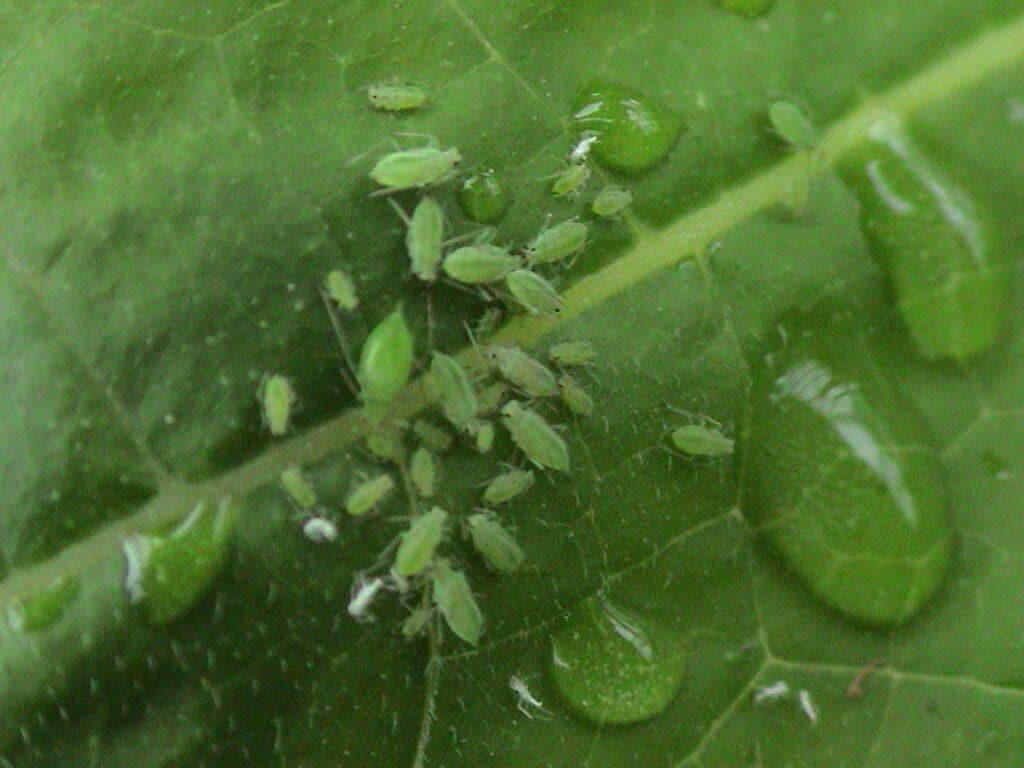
(176, 180)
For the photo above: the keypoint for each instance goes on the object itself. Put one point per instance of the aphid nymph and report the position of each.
(396, 97)
(277, 396)
(535, 437)
(368, 495)
(414, 168)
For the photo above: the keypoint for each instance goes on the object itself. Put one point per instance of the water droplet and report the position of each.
(483, 198)
(39, 611)
(633, 133)
(613, 667)
(167, 574)
(749, 8)
(841, 478)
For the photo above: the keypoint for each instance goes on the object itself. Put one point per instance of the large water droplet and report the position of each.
(483, 198)
(166, 575)
(613, 667)
(633, 132)
(841, 478)
(928, 236)
(749, 8)
(41, 610)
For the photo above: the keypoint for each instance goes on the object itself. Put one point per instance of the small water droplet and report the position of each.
(613, 667)
(749, 8)
(633, 132)
(483, 198)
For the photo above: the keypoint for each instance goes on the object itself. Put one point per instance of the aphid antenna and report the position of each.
(348, 362)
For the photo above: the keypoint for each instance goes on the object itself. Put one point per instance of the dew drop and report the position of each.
(483, 198)
(39, 611)
(633, 133)
(613, 667)
(749, 8)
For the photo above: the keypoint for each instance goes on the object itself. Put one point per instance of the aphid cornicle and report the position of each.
(341, 289)
(495, 544)
(535, 437)
(419, 543)
(277, 397)
(414, 168)
(368, 495)
(571, 180)
(507, 486)
(701, 440)
(571, 353)
(479, 264)
(450, 384)
(423, 472)
(386, 359)
(396, 97)
(534, 293)
(424, 237)
(558, 242)
(298, 487)
(611, 201)
(522, 371)
(454, 599)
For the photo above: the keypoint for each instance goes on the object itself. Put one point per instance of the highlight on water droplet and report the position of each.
(167, 574)
(43, 608)
(749, 8)
(633, 132)
(483, 197)
(611, 666)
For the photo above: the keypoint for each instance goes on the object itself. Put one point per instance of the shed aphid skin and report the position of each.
(454, 599)
(574, 396)
(432, 436)
(793, 126)
(369, 494)
(386, 359)
(807, 706)
(535, 437)
(534, 293)
(490, 398)
(571, 181)
(450, 384)
(414, 168)
(507, 486)
(277, 397)
(558, 242)
(320, 529)
(424, 236)
(701, 440)
(572, 353)
(611, 201)
(581, 150)
(525, 701)
(483, 436)
(298, 488)
(522, 371)
(341, 289)
(480, 264)
(419, 543)
(495, 544)
(774, 692)
(364, 592)
(423, 472)
(396, 97)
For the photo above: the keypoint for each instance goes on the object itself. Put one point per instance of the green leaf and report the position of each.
(177, 180)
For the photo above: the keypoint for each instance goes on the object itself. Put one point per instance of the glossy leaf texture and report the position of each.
(177, 180)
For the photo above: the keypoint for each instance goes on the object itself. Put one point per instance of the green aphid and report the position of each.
(416, 623)
(277, 397)
(454, 599)
(419, 543)
(423, 239)
(423, 472)
(495, 544)
(574, 396)
(450, 384)
(611, 201)
(386, 444)
(507, 486)
(386, 360)
(483, 436)
(793, 126)
(522, 371)
(298, 488)
(414, 168)
(483, 197)
(700, 440)
(535, 437)
(44, 607)
(480, 264)
(432, 436)
(369, 494)
(571, 180)
(534, 293)
(490, 398)
(341, 289)
(572, 353)
(395, 97)
(556, 243)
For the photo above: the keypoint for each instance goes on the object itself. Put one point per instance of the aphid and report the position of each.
(570, 353)
(386, 444)
(414, 168)
(574, 396)
(774, 692)
(611, 201)
(804, 697)
(483, 435)
(571, 180)
(386, 359)
(555, 243)
(582, 148)
(341, 289)
(490, 398)
(277, 396)
(394, 97)
(419, 543)
(479, 264)
(534, 293)
(507, 486)
(364, 592)
(454, 599)
(524, 698)
(792, 125)
(451, 386)
(298, 488)
(319, 529)
(535, 437)
(415, 623)
(522, 371)
(368, 495)
(432, 436)
(423, 238)
(495, 544)
(422, 471)
(699, 440)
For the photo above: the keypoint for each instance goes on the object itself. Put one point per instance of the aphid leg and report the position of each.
(401, 213)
